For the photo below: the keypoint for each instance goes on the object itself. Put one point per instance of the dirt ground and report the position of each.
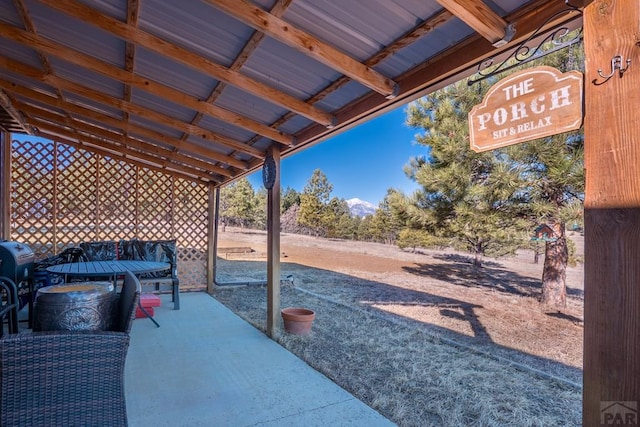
(494, 307)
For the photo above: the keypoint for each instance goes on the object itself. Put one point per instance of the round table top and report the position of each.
(108, 268)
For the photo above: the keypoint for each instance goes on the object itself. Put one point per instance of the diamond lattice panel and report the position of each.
(155, 208)
(117, 195)
(76, 174)
(62, 196)
(190, 222)
(32, 202)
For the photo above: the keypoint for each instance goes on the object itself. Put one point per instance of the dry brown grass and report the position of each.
(409, 375)
(427, 341)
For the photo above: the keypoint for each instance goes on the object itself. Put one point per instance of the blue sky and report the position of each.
(362, 162)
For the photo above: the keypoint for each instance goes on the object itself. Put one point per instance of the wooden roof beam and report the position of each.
(288, 34)
(133, 13)
(449, 66)
(152, 115)
(429, 25)
(86, 61)
(119, 124)
(146, 149)
(254, 41)
(477, 15)
(115, 155)
(50, 129)
(193, 60)
(9, 107)
(97, 96)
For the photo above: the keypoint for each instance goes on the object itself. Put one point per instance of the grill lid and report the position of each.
(16, 260)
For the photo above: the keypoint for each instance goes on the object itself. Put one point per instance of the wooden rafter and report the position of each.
(153, 116)
(307, 44)
(119, 124)
(31, 29)
(39, 115)
(406, 39)
(193, 60)
(477, 15)
(77, 143)
(146, 113)
(443, 68)
(56, 129)
(133, 12)
(255, 39)
(139, 82)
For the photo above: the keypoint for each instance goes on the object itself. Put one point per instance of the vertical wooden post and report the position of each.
(273, 248)
(5, 185)
(213, 206)
(612, 215)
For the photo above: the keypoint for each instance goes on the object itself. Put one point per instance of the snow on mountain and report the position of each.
(360, 207)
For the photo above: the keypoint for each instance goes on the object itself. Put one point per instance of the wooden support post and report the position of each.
(612, 216)
(5, 185)
(273, 248)
(213, 207)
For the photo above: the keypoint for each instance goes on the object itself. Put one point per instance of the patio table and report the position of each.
(111, 269)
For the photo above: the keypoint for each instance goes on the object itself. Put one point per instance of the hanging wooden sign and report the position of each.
(530, 104)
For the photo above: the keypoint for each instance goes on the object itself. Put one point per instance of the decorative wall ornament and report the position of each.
(531, 48)
(269, 172)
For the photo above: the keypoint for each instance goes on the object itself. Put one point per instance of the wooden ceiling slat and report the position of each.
(307, 44)
(119, 124)
(133, 13)
(139, 82)
(477, 15)
(117, 155)
(451, 65)
(193, 60)
(153, 116)
(53, 129)
(254, 41)
(145, 148)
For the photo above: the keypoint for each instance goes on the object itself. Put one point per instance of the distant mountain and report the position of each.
(360, 207)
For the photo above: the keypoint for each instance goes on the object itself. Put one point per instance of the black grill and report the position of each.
(16, 261)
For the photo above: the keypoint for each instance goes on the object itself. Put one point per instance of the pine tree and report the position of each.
(384, 225)
(314, 202)
(289, 198)
(471, 198)
(489, 202)
(238, 203)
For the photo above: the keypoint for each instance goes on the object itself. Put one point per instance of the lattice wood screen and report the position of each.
(61, 196)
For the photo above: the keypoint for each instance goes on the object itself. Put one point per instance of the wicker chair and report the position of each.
(68, 378)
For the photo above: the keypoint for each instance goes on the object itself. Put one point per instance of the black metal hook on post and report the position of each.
(616, 65)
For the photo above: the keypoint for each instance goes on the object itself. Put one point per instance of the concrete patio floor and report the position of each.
(205, 366)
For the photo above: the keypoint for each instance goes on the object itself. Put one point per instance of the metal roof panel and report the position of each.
(152, 102)
(76, 34)
(196, 26)
(290, 71)
(86, 78)
(250, 106)
(173, 74)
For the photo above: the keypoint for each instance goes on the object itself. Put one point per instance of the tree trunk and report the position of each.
(554, 274)
(477, 261)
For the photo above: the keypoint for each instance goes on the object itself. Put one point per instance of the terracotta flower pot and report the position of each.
(297, 321)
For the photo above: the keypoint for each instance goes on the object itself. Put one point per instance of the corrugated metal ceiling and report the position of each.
(191, 77)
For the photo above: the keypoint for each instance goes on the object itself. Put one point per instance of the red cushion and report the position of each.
(149, 300)
(140, 313)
